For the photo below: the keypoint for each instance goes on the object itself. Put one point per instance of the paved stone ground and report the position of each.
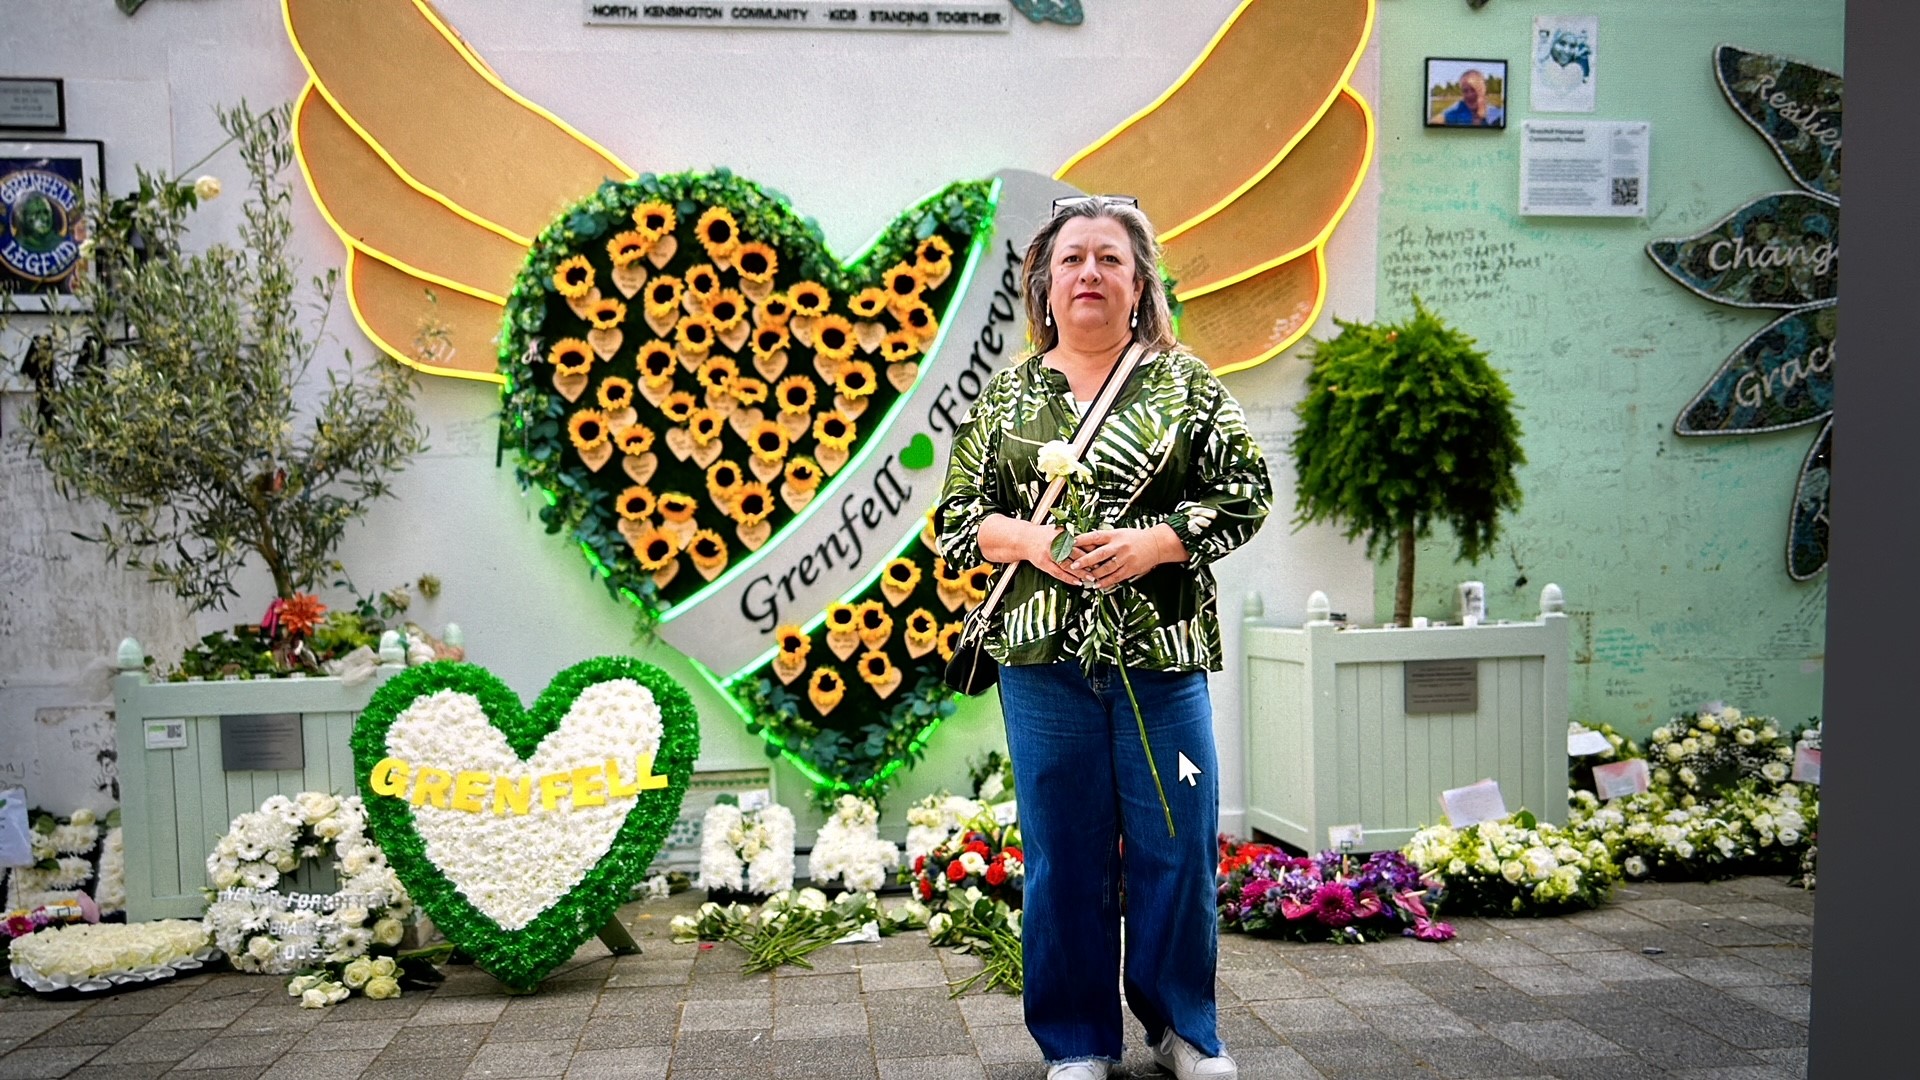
(1685, 980)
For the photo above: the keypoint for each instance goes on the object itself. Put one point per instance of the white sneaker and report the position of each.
(1179, 1057)
(1078, 1070)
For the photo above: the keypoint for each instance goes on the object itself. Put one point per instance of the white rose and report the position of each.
(1675, 751)
(1744, 736)
(1635, 866)
(1662, 736)
(314, 999)
(1774, 771)
(383, 987)
(207, 187)
(1683, 849)
(388, 932)
(938, 924)
(1789, 837)
(1513, 870)
(260, 948)
(1057, 461)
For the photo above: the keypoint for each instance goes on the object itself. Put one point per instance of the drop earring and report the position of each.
(1135, 323)
(1049, 314)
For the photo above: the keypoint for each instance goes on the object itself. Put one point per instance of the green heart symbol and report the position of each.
(520, 831)
(919, 452)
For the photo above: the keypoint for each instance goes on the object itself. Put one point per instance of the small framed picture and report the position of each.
(44, 185)
(1466, 93)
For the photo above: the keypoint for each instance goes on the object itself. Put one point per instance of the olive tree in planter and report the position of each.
(174, 397)
(1406, 425)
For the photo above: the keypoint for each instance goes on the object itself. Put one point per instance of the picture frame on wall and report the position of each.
(44, 185)
(33, 104)
(1465, 93)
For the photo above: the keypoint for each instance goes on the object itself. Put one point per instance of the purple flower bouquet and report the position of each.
(1330, 897)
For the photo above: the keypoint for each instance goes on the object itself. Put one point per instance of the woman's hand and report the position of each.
(1006, 539)
(1109, 557)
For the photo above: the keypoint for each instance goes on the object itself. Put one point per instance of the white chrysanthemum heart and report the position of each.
(548, 852)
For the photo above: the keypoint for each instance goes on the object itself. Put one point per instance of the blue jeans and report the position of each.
(1083, 786)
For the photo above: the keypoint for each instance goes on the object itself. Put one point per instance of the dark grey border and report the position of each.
(59, 98)
(1426, 84)
(1866, 950)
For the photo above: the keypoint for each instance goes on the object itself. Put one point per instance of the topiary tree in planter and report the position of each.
(1406, 425)
(176, 398)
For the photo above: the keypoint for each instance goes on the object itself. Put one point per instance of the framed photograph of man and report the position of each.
(43, 187)
(1466, 93)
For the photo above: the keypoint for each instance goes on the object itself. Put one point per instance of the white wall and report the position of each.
(853, 126)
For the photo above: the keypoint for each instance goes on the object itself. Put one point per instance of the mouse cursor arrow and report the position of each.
(1189, 771)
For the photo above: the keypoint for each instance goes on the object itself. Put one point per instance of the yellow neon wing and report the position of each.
(1247, 163)
(409, 143)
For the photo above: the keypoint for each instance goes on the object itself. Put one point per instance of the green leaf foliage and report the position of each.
(1406, 425)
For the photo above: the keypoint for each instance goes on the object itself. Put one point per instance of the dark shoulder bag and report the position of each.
(972, 671)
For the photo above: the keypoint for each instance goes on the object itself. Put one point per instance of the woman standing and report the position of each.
(1177, 483)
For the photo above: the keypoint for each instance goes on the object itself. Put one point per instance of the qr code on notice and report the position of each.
(1626, 191)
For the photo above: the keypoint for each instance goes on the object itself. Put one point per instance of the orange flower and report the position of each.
(835, 430)
(658, 550)
(571, 356)
(726, 308)
(769, 340)
(573, 278)
(615, 393)
(868, 303)
(703, 281)
(628, 247)
(678, 406)
(948, 577)
(903, 283)
(795, 394)
(657, 362)
(794, 643)
(747, 390)
(809, 298)
(704, 426)
(826, 688)
(634, 439)
(949, 639)
(717, 373)
(300, 613)
(752, 503)
(707, 548)
(921, 628)
(723, 480)
(654, 219)
(775, 310)
(876, 668)
(855, 380)
(718, 232)
(833, 337)
(588, 429)
(769, 441)
(756, 262)
(918, 317)
(803, 474)
(977, 580)
(840, 618)
(635, 504)
(694, 335)
(606, 314)
(873, 623)
(903, 573)
(932, 255)
(899, 345)
(676, 507)
(663, 294)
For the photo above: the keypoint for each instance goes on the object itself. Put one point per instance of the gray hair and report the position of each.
(1155, 328)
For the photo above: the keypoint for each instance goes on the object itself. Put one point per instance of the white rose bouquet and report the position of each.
(746, 850)
(849, 849)
(1514, 866)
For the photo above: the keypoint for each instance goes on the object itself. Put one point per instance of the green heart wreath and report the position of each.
(441, 744)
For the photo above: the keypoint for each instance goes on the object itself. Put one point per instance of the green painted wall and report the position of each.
(1670, 550)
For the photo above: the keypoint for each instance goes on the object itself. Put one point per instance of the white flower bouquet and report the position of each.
(1514, 866)
(74, 854)
(849, 849)
(791, 925)
(933, 821)
(100, 956)
(746, 850)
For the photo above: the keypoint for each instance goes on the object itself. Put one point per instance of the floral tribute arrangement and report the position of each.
(264, 928)
(985, 926)
(687, 370)
(985, 855)
(519, 831)
(1329, 897)
(792, 925)
(1514, 866)
(746, 850)
(849, 849)
(1720, 800)
(933, 821)
(300, 635)
(79, 863)
(89, 957)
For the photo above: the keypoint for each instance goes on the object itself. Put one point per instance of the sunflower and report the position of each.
(922, 628)
(717, 373)
(628, 247)
(876, 669)
(573, 278)
(677, 406)
(794, 643)
(833, 337)
(835, 430)
(840, 618)
(703, 281)
(635, 504)
(756, 262)
(795, 394)
(723, 479)
(704, 426)
(752, 503)
(918, 317)
(634, 439)
(663, 294)
(949, 638)
(606, 314)
(868, 303)
(656, 362)
(803, 474)
(769, 441)
(570, 356)
(873, 622)
(615, 393)
(977, 580)
(855, 380)
(588, 429)
(654, 219)
(826, 688)
(769, 340)
(903, 573)
(658, 550)
(932, 254)
(726, 308)
(775, 310)
(809, 298)
(707, 548)
(903, 283)
(947, 576)
(694, 335)
(676, 507)
(718, 232)
(899, 345)
(747, 390)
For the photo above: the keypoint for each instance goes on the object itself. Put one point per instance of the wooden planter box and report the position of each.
(1329, 740)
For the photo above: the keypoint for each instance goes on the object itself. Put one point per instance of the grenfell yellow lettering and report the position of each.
(468, 790)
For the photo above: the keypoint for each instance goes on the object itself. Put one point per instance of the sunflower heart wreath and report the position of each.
(519, 831)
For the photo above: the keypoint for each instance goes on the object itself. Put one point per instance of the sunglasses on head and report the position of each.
(1067, 202)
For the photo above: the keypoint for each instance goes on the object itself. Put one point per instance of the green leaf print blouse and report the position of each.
(1175, 449)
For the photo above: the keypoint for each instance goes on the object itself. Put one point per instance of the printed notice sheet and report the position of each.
(1584, 168)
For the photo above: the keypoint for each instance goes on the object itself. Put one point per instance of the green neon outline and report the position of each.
(975, 252)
